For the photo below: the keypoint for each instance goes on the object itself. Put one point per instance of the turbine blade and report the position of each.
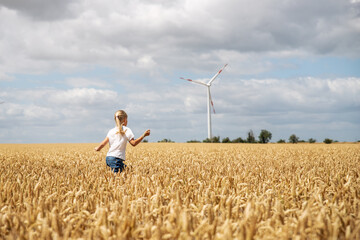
(194, 81)
(187, 79)
(211, 101)
(217, 74)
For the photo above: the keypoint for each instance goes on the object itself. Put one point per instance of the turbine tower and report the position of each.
(210, 103)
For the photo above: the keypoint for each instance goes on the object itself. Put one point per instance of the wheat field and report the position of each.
(181, 191)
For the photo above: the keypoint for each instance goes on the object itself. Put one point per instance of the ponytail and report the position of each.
(120, 117)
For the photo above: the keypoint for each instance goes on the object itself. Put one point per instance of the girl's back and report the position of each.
(118, 142)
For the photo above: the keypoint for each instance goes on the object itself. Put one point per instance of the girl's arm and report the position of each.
(137, 141)
(102, 144)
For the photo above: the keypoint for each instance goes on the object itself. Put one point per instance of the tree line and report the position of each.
(264, 137)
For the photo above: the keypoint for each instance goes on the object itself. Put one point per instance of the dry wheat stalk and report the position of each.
(181, 191)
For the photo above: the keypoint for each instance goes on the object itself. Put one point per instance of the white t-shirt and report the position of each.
(118, 142)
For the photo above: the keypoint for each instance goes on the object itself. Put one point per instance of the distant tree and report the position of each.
(238, 140)
(226, 140)
(311, 140)
(328, 140)
(193, 141)
(281, 141)
(165, 140)
(145, 141)
(301, 141)
(265, 136)
(250, 138)
(293, 139)
(212, 140)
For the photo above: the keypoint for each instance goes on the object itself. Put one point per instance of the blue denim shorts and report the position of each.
(115, 164)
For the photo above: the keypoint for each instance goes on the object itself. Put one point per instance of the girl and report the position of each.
(117, 139)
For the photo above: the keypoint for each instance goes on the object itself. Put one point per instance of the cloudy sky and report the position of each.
(67, 66)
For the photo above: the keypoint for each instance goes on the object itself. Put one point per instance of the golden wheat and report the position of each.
(181, 191)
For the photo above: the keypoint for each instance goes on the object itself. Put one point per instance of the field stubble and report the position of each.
(181, 191)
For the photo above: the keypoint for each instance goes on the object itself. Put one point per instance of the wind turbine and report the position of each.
(209, 99)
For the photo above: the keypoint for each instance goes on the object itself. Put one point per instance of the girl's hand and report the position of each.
(137, 141)
(146, 133)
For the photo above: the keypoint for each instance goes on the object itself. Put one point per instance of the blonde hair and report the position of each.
(120, 117)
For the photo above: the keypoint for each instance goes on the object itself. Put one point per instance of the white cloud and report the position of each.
(39, 9)
(83, 97)
(33, 112)
(195, 103)
(44, 105)
(85, 82)
(142, 34)
(146, 62)
(302, 95)
(4, 77)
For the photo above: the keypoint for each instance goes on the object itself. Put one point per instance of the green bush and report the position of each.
(212, 140)
(165, 140)
(238, 140)
(226, 140)
(328, 140)
(265, 136)
(293, 139)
